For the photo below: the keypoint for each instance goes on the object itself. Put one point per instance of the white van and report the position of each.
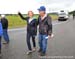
(63, 16)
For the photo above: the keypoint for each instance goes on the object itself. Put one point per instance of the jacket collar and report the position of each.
(44, 16)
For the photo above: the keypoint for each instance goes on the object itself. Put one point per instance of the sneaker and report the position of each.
(29, 52)
(34, 49)
(5, 42)
(39, 50)
(42, 54)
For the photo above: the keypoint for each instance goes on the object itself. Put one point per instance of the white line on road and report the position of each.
(17, 29)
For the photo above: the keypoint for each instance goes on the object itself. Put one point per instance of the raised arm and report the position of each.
(24, 18)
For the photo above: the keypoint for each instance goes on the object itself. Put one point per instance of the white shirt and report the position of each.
(30, 20)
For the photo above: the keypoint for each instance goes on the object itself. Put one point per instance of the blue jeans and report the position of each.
(43, 42)
(5, 35)
(0, 43)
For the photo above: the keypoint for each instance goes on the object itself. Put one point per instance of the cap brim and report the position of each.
(39, 9)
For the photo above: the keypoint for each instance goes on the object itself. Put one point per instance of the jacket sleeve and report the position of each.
(36, 26)
(38, 21)
(6, 23)
(49, 25)
(24, 18)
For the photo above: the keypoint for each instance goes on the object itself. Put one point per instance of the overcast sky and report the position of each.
(13, 6)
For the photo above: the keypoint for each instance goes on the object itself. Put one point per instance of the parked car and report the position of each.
(63, 16)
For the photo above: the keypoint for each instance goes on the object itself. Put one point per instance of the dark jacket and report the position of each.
(4, 22)
(32, 26)
(45, 25)
(1, 30)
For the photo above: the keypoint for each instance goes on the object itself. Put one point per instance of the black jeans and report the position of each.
(0, 44)
(28, 41)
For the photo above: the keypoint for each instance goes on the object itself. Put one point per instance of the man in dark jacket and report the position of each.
(4, 22)
(31, 30)
(1, 32)
(45, 29)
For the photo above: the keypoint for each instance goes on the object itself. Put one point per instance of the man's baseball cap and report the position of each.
(42, 8)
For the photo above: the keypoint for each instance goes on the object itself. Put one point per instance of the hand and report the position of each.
(52, 35)
(49, 36)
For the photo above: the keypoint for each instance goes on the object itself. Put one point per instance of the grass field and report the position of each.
(15, 21)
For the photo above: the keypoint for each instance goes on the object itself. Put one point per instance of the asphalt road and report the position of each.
(61, 46)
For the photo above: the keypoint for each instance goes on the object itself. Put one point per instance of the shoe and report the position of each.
(34, 49)
(0, 54)
(5, 42)
(42, 54)
(29, 52)
(40, 50)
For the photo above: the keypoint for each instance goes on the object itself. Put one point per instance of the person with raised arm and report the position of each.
(31, 30)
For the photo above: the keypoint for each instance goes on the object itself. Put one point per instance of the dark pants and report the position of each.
(5, 35)
(0, 44)
(73, 17)
(43, 42)
(28, 41)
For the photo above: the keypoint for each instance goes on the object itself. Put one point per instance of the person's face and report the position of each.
(42, 13)
(30, 14)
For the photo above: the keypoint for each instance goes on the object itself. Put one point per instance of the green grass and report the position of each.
(54, 17)
(15, 21)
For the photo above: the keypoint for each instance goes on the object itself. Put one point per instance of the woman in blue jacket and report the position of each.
(31, 30)
(1, 32)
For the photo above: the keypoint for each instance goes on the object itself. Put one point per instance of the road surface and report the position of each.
(61, 46)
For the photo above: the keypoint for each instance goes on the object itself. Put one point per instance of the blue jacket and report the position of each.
(1, 30)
